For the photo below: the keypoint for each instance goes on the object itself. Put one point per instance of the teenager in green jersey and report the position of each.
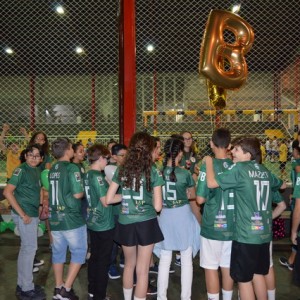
(295, 233)
(253, 185)
(67, 224)
(217, 221)
(137, 229)
(179, 226)
(23, 192)
(289, 262)
(100, 222)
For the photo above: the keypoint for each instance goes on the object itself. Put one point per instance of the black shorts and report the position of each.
(249, 259)
(139, 233)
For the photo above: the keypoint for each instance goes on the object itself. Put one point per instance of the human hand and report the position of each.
(23, 131)
(26, 219)
(5, 127)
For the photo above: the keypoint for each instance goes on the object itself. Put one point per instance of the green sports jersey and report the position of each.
(65, 209)
(295, 163)
(138, 206)
(175, 193)
(47, 159)
(218, 216)
(27, 181)
(253, 186)
(189, 161)
(99, 218)
(296, 193)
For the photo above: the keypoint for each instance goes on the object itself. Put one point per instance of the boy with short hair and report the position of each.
(253, 185)
(67, 224)
(217, 221)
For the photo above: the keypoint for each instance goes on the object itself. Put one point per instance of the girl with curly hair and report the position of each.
(137, 229)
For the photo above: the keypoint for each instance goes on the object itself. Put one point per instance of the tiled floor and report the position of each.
(8, 257)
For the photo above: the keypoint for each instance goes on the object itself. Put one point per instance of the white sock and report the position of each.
(227, 295)
(136, 298)
(212, 296)
(127, 294)
(271, 294)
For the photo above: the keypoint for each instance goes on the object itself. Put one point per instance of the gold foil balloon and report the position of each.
(216, 95)
(215, 52)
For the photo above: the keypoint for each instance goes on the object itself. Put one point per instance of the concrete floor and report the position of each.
(9, 251)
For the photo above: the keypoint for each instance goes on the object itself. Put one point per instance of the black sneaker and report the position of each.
(64, 295)
(284, 261)
(32, 295)
(152, 290)
(172, 270)
(154, 268)
(55, 293)
(19, 290)
(37, 262)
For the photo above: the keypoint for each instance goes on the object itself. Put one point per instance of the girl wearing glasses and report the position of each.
(23, 194)
(137, 229)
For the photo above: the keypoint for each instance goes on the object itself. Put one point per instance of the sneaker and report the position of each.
(64, 295)
(121, 263)
(284, 261)
(55, 293)
(38, 262)
(178, 262)
(172, 270)
(36, 294)
(19, 289)
(113, 273)
(35, 269)
(154, 269)
(152, 290)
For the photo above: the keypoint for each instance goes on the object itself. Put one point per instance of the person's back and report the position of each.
(253, 185)
(217, 221)
(68, 228)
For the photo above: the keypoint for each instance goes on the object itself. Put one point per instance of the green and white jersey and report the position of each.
(174, 193)
(295, 163)
(65, 209)
(99, 218)
(27, 181)
(296, 193)
(253, 186)
(138, 206)
(218, 216)
(188, 161)
(47, 159)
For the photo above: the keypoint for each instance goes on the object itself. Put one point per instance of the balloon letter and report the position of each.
(215, 52)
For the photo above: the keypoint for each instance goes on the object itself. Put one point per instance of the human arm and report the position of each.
(210, 173)
(157, 198)
(5, 129)
(295, 221)
(9, 195)
(25, 133)
(110, 196)
(191, 192)
(196, 210)
(279, 209)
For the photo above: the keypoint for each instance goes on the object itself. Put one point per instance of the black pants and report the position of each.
(98, 264)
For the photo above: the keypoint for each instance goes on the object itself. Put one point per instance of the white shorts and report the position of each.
(214, 254)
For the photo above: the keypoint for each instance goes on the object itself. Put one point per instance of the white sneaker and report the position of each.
(35, 269)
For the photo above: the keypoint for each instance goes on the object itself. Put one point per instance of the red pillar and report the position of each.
(127, 71)
(32, 101)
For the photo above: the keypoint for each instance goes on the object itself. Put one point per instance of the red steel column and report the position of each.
(127, 71)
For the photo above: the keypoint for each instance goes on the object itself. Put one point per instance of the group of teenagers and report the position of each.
(157, 214)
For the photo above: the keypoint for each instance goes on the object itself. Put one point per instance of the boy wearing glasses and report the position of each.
(23, 194)
(66, 222)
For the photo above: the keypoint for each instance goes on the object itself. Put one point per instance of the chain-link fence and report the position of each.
(173, 97)
(59, 69)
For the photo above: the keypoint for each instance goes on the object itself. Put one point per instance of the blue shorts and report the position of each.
(75, 239)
